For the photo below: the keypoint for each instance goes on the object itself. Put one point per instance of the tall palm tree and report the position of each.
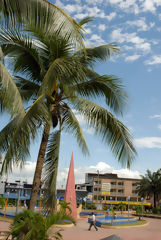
(150, 185)
(53, 78)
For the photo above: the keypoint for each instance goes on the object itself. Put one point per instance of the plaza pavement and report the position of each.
(152, 231)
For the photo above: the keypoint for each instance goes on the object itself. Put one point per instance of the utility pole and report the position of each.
(98, 187)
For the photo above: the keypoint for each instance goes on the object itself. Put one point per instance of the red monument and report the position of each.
(70, 195)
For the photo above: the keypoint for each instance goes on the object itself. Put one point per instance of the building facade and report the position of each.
(110, 189)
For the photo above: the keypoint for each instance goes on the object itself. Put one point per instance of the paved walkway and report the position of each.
(80, 232)
(150, 232)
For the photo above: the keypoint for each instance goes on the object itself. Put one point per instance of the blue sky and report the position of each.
(135, 26)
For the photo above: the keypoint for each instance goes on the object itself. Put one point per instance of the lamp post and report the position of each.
(128, 206)
(25, 199)
(18, 199)
(97, 187)
(6, 204)
(40, 203)
(142, 199)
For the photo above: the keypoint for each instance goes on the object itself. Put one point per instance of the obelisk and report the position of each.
(70, 194)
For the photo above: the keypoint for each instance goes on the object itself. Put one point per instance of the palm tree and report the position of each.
(150, 185)
(30, 225)
(122, 207)
(65, 206)
(53, 79)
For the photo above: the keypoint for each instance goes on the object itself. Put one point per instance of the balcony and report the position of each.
(120, 186)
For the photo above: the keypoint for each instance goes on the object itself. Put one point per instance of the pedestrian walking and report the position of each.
(93, 222)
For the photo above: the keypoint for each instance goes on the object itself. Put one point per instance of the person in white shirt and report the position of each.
(93, 222)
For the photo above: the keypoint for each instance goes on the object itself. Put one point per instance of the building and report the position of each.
(22, 191)
(110, 189)
(17, 190)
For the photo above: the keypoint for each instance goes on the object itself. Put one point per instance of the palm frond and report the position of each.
(26, 88)
(51, 169)
(71, 125)
(9, 95)
(7, 133)
(43, 15)
(26, 130)
(109, 128)
(64, 69)
(86, 20)
(107, 86)
(100, 53)
(25, 52)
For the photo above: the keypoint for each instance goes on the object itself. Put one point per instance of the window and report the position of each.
(121, 183)
(134, 192)
(134, 184)
(113, 190)
(133, 199)
(121, 198)
(113, 183)
(120, 191)
(95, 197)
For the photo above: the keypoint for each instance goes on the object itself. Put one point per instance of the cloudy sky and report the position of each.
(135, 26)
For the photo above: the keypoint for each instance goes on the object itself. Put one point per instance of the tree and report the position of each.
(121, 206)
(2, 201)
(53, 78)
(30, 225)
(65, 206)
(150, 185)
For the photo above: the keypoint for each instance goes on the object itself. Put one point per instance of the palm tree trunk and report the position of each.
(39, 167)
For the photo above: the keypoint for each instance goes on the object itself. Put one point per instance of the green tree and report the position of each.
(2, 201)
(150, 185)
(65, 206)
(121, 206)
(29, 226)
(52, 78)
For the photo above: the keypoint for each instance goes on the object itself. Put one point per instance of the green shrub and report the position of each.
(2, 202)
(155, 210)
(32, 226)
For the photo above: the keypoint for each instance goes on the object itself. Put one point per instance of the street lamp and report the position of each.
(128, 206)
(40, 202)
(142, 199)
(25, 200)
(18, 199)
(97, 187)
(6, 204)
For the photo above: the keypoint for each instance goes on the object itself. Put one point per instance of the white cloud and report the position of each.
(23, 174)
(94, 40)
(159, 126)
(111, 16)
(148, 142)
(154, 60)
(101, 166)
(139, 43)
(158, 116)
(27, 173)
(132, 58)
(141, 24)
(150, 5)
(88, 30)
(102, 27)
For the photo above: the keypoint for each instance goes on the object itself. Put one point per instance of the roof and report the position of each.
(112, 176)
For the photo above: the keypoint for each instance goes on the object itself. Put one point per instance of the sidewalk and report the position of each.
(80, 232)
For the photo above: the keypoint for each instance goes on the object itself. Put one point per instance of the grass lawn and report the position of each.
(138, 223)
